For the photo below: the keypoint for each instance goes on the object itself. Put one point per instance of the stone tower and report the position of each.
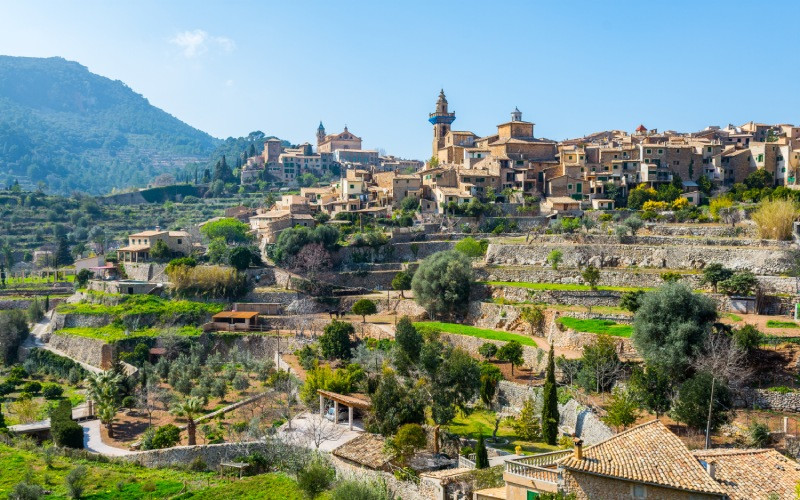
(320, 134)
(441, 120)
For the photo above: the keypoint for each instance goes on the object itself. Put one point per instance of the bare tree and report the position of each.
(149, 399)
(301, 318)
(285, 385)
(725, 362)
(319, 430)
(730, 215)
(311, 258)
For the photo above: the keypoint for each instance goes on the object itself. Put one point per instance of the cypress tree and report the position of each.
(481, 455)
(550, 402)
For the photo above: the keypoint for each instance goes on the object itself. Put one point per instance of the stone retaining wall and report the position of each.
(645, 278)
(769, 261)
(530, 354)
(704, 230)
(564, 297)
(71, 320)
(25, 303)
(572, 417)
(393, 252)
(769, 400)
(658, 241)
(93, 352)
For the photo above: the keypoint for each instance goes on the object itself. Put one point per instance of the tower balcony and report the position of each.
(447, 118)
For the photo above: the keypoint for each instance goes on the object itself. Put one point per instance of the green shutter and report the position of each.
(532, 495)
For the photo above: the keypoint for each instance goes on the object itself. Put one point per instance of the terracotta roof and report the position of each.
(641, 128)
(745, 474)
(134, 248)
(499, 493)
(366, 450)
(360, 401)
(235, 315)
(145, 234)
(648, 453)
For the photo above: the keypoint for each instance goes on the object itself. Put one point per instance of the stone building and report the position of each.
(140, 244)
(649, 462)
(334, 142)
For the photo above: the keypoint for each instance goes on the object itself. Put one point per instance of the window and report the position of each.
(660, 151)
(639, 491)
(532, 495)
(649, 151)
(180, 242)
(569, 186)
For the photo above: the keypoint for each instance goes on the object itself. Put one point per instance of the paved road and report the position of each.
(94, 443)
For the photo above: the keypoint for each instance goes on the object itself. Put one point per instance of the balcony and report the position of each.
(537, 468)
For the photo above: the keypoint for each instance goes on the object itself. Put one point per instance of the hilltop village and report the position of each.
(611, 316)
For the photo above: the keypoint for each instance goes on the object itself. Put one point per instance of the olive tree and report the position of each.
(442, 283)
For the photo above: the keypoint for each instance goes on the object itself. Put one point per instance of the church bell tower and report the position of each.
(441, 120)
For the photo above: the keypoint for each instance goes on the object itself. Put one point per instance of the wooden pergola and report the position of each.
(360, 401)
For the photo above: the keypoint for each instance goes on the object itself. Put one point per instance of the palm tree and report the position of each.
(189, 408)
(103, 389)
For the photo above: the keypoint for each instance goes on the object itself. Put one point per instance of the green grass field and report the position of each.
(482, 333)
(104, 481)
(734, 317)
(560, 286)
(482, 422)
(111, 333)
(167, 310)
(263, 487)
(600, 326)
(781, 324)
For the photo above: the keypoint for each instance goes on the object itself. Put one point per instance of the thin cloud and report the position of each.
(197, 42)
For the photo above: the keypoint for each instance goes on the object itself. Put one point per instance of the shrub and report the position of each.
(472, 248)
(591, 275)
(231, 230)
(630, 300)
(209, 282)
(316, 477)
(352, 489)
(481, 454)
(335, 343)
(26, 490)
(408, 439)
(758, 435)
(65, 431)
(165, 436)
(52, 391)
(655, 206)
(527, 425)
(774, 219)
(32, 387)
(487, 350)
(670, 277)
(76, 481)
(691, 407)
(718, 204)
(740, 283)
(554, 258)
(747, 338)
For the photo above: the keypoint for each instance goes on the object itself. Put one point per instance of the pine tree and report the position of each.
(63, 256)
(550, 402)
(481, 455)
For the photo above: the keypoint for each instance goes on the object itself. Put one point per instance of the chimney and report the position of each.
(578, 448)
(158, 228)
(711, 468)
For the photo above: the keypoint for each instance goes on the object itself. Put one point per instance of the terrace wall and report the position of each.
(573, 417)
(769, 261)
(617, 277)
(93, 352)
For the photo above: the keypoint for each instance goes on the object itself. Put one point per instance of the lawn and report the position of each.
(112, 333)
(734, 317)
(482, 422)
(472, 331)
(781, 324)
(264, 487)
(171, 311)
(104, 481)
(560, 286)
(599, 326)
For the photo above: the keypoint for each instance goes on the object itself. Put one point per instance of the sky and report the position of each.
(571, 67)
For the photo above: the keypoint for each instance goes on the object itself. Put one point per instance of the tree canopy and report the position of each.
(229, 229)
(442, 283)
(671, 325)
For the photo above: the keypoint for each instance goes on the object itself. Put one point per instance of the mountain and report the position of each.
(74, 130)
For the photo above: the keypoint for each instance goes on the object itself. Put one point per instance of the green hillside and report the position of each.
(73, 130)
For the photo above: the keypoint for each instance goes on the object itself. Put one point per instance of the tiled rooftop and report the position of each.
(647, 453)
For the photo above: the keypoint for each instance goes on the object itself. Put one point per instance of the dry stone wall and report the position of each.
(573, 417)
(770, 261)
(90, 351)
(530, 354)
(769, 400)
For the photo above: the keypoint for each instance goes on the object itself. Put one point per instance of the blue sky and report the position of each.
(572, 67)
